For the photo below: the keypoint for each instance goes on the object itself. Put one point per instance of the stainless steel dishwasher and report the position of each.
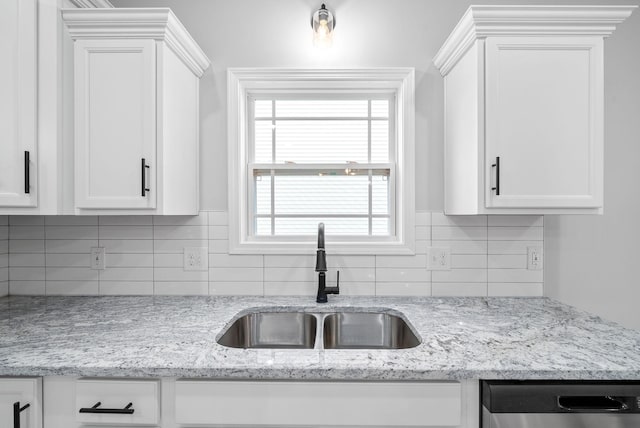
(560, 404)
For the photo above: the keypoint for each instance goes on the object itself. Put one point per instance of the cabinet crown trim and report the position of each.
(137, 23)
(480, 22)
(92, 3)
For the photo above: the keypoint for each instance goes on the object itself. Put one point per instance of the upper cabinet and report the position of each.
(524, 109)
(136, 84)
(18, 82)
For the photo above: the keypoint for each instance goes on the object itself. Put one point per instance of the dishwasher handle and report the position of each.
(601, 403)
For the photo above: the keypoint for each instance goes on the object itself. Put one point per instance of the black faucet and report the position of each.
(321, 268)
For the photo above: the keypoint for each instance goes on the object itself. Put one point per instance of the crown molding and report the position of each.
(91, 3)
(137, 23)
(480, 22)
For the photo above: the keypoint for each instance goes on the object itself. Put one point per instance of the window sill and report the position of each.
(338, 248)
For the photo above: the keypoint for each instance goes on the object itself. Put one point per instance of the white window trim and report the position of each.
(242, 81)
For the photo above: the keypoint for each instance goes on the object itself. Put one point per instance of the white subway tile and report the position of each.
(181, 288)
(179, 274)
(71, 220)
(423, 233)
(236, 288)
(357, 288)
(335, 261)
(181, 220)
(71, 274)
(72, 288)
(350, 275)
(168, 260)
(439, 219)
(4, 274)
(180, 232)
(126, 274)
(125, 220)
(218, 218)
(235, 261)
(126, 246)
(69, 246)
(423, 218)
(511, 247)
(68, 260)
(463, 247)
(422, 247)
(4, 261)
(518, 289)
(508, 261)
(218, 246)
(4, 220)
(71, 232)
(516, 220)
(125, 232)
(4, 233)
(26, 220)
(218, 232)
(290, 289)
(515, 275)
(416, 262)
(459, 289)
(177, 246)
(516, 233)
(26, 274)
(26, 232)
(451, 233)
(290, 274)
(403, 289)
(26, 246)
(126, 288)
(27, 288)
(26, 260)
(4, 288)
(4, 246)
(235, 274)
(402, 275)
(468, 261)
(459, 275)
(294, 260)
(118, 260)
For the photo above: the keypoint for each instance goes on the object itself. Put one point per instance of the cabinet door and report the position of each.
(544, 101)
(18, 103)
(115, 101)
(23, 392)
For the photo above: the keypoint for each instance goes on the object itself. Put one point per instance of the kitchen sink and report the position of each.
(295, 330)
(343, 329)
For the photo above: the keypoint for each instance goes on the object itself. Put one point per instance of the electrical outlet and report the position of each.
(97, 258)
(196, 258)
(439, 258)
(534, 258)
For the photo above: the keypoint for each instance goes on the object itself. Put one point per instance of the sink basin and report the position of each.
(367, 330)
(287, 330)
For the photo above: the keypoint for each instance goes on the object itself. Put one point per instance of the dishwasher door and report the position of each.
(560, 404)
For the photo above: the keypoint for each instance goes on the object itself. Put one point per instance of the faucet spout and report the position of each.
(321, 257)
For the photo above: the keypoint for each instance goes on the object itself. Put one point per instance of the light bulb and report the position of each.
(322, 24)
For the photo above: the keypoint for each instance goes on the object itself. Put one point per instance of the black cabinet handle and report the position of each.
(497, 167)
(27, 185)
(591, 403)
(97, 409)
(144, 168)
(17, 410)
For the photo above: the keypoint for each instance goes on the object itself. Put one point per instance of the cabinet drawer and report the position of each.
(318, 403)
(144, 396)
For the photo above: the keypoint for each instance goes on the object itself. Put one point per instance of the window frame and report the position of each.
(244, 83)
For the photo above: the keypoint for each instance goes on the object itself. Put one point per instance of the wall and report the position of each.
(4, 255)
(592, 261)
(51, 255)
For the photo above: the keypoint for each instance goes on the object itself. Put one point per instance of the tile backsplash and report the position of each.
(144, 255)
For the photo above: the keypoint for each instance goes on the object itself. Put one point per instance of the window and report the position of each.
(325, 146)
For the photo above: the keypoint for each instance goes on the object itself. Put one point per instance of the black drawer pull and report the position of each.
(497, 167)
(17, 409)
(27, 184)
(97, 409)
(145, 189)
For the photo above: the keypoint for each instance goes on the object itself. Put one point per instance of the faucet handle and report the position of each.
(338, 280)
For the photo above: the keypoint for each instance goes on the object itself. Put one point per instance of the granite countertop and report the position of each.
(462, 338)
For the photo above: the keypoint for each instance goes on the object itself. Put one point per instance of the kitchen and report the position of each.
(588, 259)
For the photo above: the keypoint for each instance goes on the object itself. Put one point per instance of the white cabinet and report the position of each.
(524, 109)
(136, 80)
(21, 402)
(18, 79)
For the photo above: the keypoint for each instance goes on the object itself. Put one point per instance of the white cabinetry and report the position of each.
(18, 79)
(21, 402)
(136, 78)
(524, 109)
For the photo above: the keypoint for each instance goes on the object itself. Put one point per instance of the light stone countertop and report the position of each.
(462, 338)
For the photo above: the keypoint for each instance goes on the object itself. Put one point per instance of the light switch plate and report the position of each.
(98, 256)
(439, 258)
(534, 258)
(196, 258)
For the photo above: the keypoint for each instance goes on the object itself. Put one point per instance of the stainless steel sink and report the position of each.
(272, 330)
(367, 330)
(342, 329)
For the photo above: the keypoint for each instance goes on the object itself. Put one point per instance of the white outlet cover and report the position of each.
(98, 256)
(196, 258)
(535, 258)
(439, 258)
